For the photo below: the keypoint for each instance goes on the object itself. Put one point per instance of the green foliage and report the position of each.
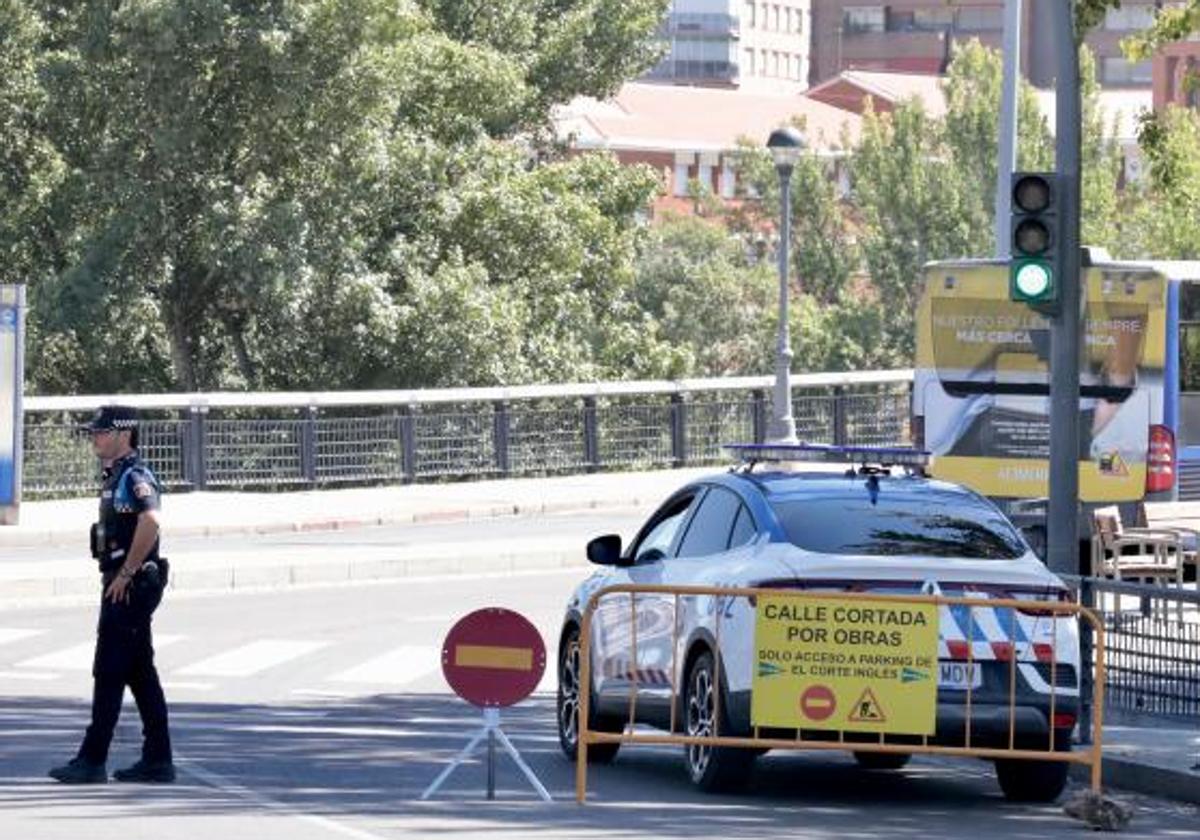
(1172, 23)
(974, 85)
(322, 193)
(917, 205)
(1166, 215)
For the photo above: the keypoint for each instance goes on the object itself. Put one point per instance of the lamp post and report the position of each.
(786, 145)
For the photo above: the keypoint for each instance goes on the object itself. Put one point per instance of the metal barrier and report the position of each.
(1153, 634)
(834, 740)
(204, 441)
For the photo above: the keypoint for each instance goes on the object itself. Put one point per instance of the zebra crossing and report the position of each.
(31, 659)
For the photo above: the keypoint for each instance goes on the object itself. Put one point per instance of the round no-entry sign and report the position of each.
(818, 702)
(493, 657)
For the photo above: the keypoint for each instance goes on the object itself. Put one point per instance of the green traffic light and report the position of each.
(1031, 281)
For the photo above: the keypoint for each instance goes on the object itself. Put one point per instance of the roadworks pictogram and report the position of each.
(866, 709)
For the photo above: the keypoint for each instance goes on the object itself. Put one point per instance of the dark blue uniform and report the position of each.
(124, 647)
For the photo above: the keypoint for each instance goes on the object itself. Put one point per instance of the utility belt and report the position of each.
(111, 559)
(155, 572)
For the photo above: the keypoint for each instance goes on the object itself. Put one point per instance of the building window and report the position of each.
(1129, 17)
(728, 180)
(748, 15)
(749, 62)
(932, 19)
(863, 19)
(775, 18)
(1116, 70)
(775, 64)
(981, 19)
(681, 179)
(787, 20)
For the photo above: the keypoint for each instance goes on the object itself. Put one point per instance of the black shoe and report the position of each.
(80, 772)
(157, 772)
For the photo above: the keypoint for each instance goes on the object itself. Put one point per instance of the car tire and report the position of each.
(567, 707)
(882, 761)
(712, 769)
(1031, 781)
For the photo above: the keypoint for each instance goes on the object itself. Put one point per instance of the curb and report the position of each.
(58, 538)
(1148, 779)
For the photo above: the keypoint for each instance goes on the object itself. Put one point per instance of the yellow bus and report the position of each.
(981, 387)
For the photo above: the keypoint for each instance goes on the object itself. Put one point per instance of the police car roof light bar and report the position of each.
(887, 456)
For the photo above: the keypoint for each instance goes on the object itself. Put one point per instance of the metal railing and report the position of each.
(952, 737)
(1153, 634)
(280, 440)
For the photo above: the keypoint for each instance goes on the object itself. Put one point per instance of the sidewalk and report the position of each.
(209, 514)
(1155, 757)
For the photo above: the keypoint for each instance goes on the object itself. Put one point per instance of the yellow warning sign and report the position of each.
(843, 664)
(867, 709)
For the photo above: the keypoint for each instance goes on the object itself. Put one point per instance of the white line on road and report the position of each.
(231, 788)
(15, 634)
(79, 657)
(32, 676)
(183, 685)
(250, 659)
(316, 692)
(401, 666)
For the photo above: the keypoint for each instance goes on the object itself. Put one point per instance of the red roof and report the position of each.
(655, 117)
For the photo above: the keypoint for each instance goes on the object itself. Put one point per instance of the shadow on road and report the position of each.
(370, 759)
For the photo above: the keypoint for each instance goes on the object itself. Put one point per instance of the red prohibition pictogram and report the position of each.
(493, 657)
(818, 702)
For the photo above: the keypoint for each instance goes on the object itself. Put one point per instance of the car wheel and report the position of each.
(711, 769)
(1031, 781)
(881, 761)
(568, 707)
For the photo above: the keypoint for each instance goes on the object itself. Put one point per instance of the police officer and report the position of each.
(125, 542)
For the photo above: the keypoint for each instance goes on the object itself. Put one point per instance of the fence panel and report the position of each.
(359, 449)
(247, 453)
(1153, 637)
(284, 440)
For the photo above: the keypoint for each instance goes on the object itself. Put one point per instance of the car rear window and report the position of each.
(935, 524)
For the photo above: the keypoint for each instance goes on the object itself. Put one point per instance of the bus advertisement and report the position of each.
(981, 389)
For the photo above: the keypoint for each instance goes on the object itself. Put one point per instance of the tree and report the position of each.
(1166, 216)
(276, 195)
(824, 254)
(973, 88)
(917, 205)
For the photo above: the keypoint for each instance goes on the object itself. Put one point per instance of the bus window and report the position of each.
(1189, 337)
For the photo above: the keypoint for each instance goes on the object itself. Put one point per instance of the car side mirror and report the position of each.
(605, 550)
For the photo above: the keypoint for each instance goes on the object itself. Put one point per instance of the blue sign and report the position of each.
(10, 394)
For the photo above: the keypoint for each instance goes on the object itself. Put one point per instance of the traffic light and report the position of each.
(1035, 239)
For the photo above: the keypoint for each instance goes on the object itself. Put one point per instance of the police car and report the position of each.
(878, 526)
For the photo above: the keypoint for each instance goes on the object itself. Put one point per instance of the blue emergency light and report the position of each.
(884, 456)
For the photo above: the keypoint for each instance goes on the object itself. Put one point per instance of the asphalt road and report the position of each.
(322, 713)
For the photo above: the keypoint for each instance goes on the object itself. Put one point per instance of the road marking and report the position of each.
(316, 692)
(250, 659)
(231, 788)
(80, 657)
(401, 666)
(183, 685)
(31, 676)
(14, 634)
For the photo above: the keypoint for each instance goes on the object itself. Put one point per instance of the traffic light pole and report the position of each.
(1065, 342)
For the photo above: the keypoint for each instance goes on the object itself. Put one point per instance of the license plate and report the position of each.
(959, 675)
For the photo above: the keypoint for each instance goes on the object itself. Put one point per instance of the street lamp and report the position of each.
(786, 145)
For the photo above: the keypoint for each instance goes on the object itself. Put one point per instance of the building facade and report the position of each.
(1177, 75)
(918, 36)
(747, 44)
